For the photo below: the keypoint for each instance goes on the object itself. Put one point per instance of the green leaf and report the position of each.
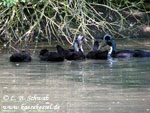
(24, 1)
(4, 3)
(16, 1)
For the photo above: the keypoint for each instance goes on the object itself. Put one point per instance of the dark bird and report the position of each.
(20, 57)
(45, 55)
(141, 53)
(123, 53)
(73, 54)
(97, 54)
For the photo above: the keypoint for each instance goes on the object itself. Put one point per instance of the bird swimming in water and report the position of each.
(45, 55)
(123, 53)
(97, 54)
(20, 57)
(103, 55)
(76, 53)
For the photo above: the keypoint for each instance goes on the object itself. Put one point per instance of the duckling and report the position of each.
(20, 57)
(45, 55)
(97, 54)
(76, 53)
(71, 55)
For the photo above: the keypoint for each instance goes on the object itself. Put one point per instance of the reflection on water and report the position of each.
(90, 86)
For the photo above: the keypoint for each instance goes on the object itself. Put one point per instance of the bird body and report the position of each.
(123, 53)
(97, 54)
(20, 57)
(73, 54)
(70, 54)
(45, 55)
(141, 53)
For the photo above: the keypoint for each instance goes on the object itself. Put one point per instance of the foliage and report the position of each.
(33, 20)
(9, 3)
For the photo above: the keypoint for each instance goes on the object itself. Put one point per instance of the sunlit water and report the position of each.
(90, 86)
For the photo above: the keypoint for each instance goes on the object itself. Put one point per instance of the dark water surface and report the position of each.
(90, 86)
